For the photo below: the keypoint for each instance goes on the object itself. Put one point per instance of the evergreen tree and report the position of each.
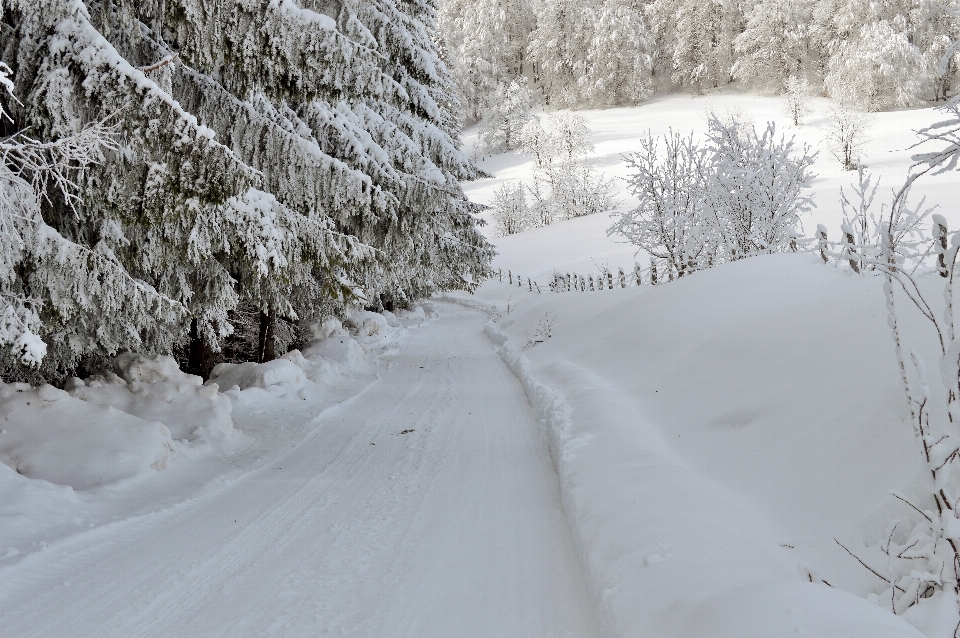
(263, 147)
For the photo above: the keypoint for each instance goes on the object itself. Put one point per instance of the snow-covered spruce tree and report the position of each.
(261, 190)
(756, 187)
(409, 144)
(558, 49)
(39, 268)
(671, 222)
(618, 62)
(487, 44)
(189, 216)
(776, 44)
(701, 49)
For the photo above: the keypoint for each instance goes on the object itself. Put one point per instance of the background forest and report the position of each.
(594, 53)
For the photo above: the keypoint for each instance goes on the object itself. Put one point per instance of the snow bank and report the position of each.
(340, 349)
(47, 434)
(153, 388)
(774, 378)
(282, 375)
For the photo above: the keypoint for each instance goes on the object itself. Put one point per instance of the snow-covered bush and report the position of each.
(510, 209)
(505, 117)
(757, 186)
(564, 185)
(846, 134)
(796, 99)
(671, 223)
(742, 194)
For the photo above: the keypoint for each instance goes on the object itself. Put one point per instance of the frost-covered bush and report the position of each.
(846, 134)
(796, 99)
(510, 210)
(756, 187)
(671, 223)
(741, 194)
(564, 184)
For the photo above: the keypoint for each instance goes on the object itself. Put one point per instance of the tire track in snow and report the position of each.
(451, 530)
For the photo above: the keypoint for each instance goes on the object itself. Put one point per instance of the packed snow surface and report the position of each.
(426, 506)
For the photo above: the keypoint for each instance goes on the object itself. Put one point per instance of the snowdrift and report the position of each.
(48, 434)
(154, 389)
(714, 435)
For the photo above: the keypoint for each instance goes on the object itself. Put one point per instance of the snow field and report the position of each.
(582, 245)
(718, 435)
(714, 435)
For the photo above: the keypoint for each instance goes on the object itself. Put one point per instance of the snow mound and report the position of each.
(792, 608)
(329, 327)
(280, 376)
(153, 388)
(345, 351)
(47, 434)
(367, 324)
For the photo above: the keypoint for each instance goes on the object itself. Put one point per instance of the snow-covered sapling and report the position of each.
(796, 99)
(510, 209)
(846, 134)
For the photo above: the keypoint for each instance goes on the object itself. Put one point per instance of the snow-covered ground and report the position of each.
(664, 461)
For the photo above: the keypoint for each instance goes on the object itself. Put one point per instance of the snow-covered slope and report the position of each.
(716, 436)
(717, 433)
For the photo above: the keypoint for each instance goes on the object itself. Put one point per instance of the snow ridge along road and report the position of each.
(426, 507)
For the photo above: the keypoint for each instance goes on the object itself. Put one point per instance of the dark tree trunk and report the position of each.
(201, 354)
(267, 347)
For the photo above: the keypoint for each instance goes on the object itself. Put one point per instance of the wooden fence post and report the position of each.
(850, 248)
(822, 241)
(940, 237)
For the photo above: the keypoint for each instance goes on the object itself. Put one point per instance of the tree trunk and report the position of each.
(200, 362)
(267, 346)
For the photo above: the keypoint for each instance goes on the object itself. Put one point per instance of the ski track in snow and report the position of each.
(452, 530)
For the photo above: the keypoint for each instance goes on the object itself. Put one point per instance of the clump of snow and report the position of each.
(367, 324)
(279, 376)
(345, 351)
(329, 327)
(47, 434)
(153, 388)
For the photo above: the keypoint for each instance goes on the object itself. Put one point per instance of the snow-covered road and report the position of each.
(427, 506)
